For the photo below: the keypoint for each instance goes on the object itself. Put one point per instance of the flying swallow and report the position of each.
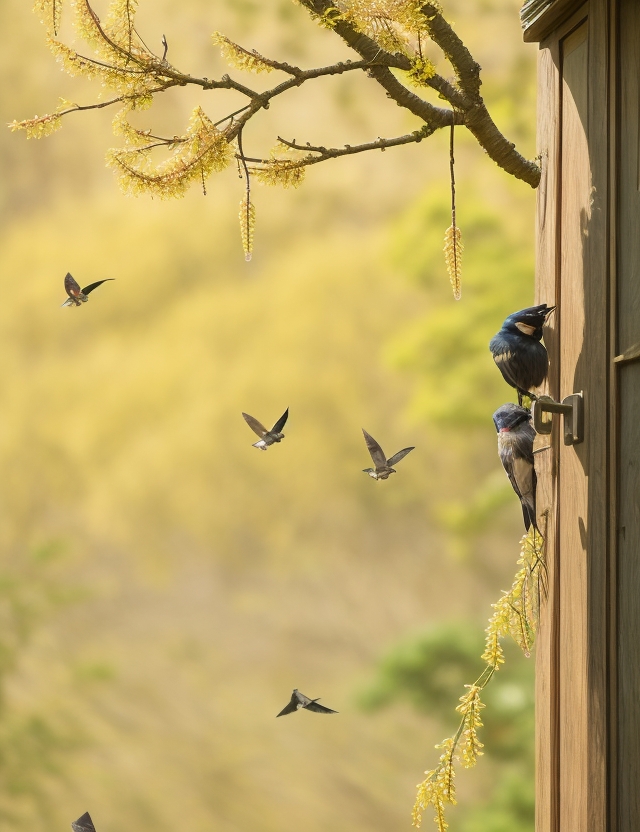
(267, 437)
(299, 700)
(384, 467)
(515, 448)
(517, 351)
(83, 824)
(78, 296)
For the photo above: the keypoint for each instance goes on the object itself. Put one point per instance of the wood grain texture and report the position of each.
(575, 190)
(546, 460)
(629, 183)
(627, 669)
(628, 768)
(573, 694)
(596, 370)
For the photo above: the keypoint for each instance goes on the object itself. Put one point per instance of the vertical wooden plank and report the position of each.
(575, 195)
(628, 762)
(629, 180)
(546, 278)
(628, 343)
(613, 399)
(594, 373)
(575, 656)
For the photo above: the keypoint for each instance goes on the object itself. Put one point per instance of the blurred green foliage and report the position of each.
(33, 745)
(430, 671)
(215, 579)
(446, 347)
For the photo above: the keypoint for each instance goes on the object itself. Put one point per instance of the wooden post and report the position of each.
(588, 263)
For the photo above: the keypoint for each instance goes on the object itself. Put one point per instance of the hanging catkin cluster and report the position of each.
(515, 615)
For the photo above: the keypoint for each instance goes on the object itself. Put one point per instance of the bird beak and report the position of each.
(525, 328)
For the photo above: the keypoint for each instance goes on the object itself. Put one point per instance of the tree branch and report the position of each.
(467, 105)
(325, 153)
(466, 69)
(470, 108)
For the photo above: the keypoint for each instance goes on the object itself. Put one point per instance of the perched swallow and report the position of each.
(83, 824)
(517, 351)
(384, 467)
(267, 437)
(515, 448)
(78, 296)
(299, 700)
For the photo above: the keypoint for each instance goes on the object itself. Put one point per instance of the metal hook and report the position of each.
(571, 407)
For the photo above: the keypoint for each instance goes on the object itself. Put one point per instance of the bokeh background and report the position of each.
(163, 586)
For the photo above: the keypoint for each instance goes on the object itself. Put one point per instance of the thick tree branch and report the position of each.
(467, 101)
(150, 74)
(466, 69)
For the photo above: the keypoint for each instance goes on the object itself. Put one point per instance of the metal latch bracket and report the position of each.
(571, 407)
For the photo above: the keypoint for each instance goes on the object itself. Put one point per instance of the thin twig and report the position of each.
(453, 200)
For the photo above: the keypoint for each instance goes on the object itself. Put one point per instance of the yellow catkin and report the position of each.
(240, 57)
(38, 127)
(285, 172)
(200, 152)
(452, 256)
(49, 12)
(470, 707)
(515, 614)
(247, 216)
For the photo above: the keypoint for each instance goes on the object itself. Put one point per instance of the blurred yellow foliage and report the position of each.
(217, 578)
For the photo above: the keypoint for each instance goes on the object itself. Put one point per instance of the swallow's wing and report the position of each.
(400, 455)
(92, 286)
(255, 425)
(517, 459)
(319, 709)
(519, 363)
(281, 422)
(83, 824)
(290, 707)
(377, 454)
(71, 287)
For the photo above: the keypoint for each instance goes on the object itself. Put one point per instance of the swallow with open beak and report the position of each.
(83, 824)
(267, 437)
(299, 700)
(384, 467)
(517, 351)
(78, 296)
(515, 448)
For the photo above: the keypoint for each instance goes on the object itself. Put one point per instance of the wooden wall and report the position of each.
(588, 263)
